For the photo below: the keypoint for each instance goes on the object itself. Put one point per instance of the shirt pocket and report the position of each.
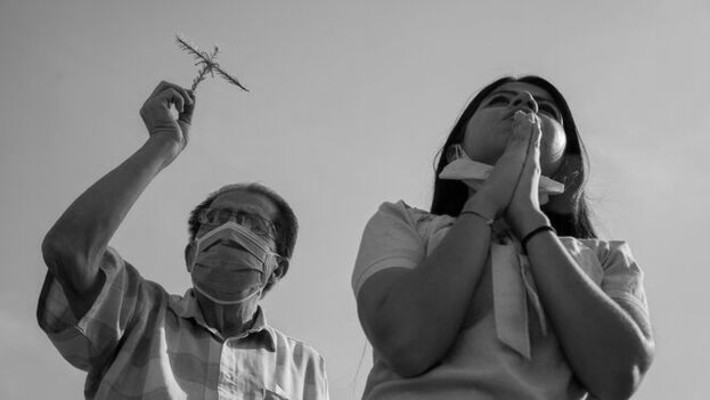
(276, 394)
(249, 388)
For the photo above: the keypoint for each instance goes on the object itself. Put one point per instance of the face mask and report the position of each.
(260, 259)
(474, 173)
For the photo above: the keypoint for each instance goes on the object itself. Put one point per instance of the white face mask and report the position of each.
(474, 174)
(231, 277)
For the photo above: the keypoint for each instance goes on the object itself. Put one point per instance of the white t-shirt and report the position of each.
(479, 365)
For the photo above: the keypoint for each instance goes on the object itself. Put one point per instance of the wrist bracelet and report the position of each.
(535, 232)
(489, 221)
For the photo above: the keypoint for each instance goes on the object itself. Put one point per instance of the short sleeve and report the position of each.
(89, 341)
(318, 388)
(390, 240)
(623, 278)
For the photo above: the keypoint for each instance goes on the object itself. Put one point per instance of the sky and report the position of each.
(349, 103)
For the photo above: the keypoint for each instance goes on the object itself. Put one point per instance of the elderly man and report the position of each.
(138, 342)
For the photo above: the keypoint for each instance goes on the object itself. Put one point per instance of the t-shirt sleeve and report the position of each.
(319, 389)
(390, 240)
(623, 278)
(90, 341)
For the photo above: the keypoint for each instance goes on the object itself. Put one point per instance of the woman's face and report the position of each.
(489, 128)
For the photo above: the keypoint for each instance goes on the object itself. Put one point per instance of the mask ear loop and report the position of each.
(456, 152)
(275, 259)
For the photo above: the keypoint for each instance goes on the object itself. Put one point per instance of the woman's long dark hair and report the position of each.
(568, 213)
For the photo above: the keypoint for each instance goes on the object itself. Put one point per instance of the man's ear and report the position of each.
(281, 268)
(276, 275)
(189, 255)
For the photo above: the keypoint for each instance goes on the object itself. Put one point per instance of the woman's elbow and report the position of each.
(623, 382)
(621, 387)
(408, 356)
(407, 362)
(52, 249)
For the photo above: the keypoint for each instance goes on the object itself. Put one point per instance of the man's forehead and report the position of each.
(247, 201)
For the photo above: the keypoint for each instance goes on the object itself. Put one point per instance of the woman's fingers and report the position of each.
(525, 194)
(512, 163)
(533, 156)
(522, 125)
(519, 143)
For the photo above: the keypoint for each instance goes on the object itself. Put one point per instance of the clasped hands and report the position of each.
(511, 190)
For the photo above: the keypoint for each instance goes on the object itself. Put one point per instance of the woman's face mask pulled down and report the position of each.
(230, 264)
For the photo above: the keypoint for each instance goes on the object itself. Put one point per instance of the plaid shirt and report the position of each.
(138, 342)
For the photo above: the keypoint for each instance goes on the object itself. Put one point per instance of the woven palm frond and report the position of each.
(207, 63)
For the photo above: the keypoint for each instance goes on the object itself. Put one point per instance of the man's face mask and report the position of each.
(231, 264)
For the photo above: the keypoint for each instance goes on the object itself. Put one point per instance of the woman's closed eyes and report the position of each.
(498, 100)
(543, 107)
(551, 111)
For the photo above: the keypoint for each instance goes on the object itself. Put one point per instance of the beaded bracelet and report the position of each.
(489, 221)
(535, 232)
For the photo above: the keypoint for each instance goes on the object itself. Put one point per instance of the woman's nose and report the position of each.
(525, 99)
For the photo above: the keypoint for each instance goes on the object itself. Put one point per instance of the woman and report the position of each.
(491, 294)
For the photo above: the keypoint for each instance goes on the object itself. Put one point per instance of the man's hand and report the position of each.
(523, 213)
(160, 121)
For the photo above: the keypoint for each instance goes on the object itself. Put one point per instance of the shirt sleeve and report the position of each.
(623, 278)
(315, 379)
(390, 240)
(322, 392)
(90, 341)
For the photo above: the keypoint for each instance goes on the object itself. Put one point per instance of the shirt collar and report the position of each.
(187, 307)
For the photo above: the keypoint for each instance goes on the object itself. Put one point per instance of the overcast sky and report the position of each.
(349, 103)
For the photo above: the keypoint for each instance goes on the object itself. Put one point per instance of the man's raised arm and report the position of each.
(75, 245)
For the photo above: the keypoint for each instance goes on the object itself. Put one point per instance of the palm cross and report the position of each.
(209, 65)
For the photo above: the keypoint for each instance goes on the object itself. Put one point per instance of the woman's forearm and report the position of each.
(415, 323)
(607, 349)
